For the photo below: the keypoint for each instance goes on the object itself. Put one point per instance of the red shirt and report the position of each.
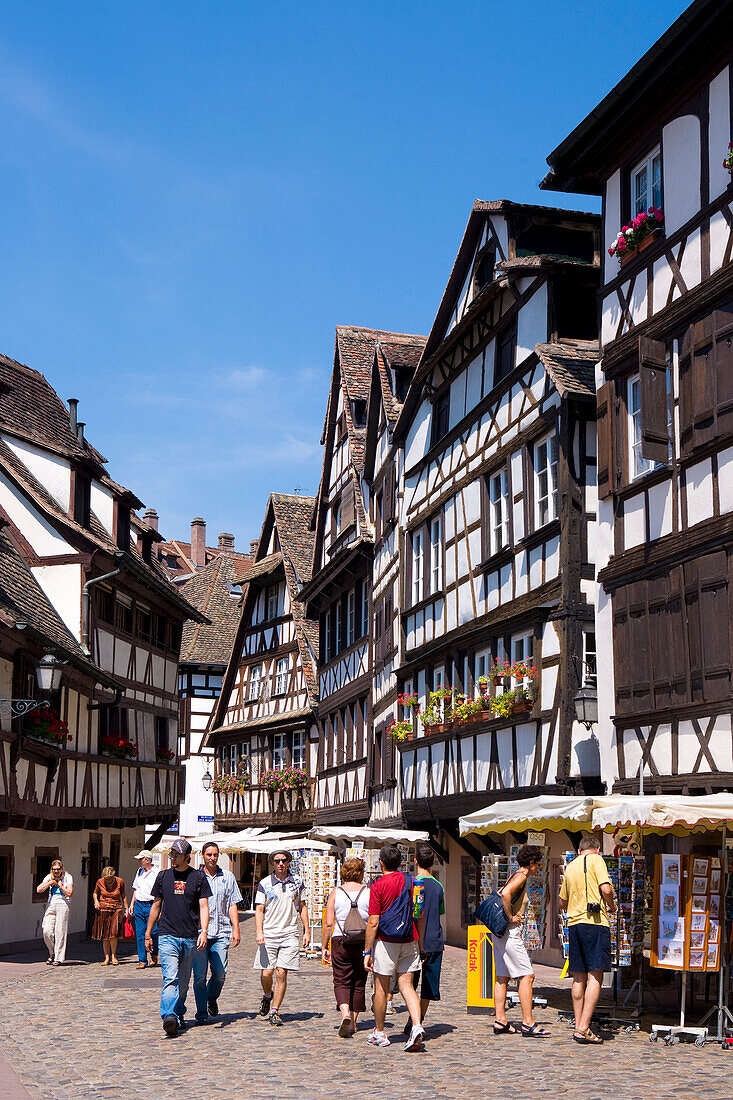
(383, 893)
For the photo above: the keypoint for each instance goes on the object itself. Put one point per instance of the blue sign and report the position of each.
(206, 817)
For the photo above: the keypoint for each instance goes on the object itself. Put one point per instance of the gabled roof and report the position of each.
(25, 606)
(292, 515)
(209, 590)
(673, 64)
(401, 354)
(175, 558)
(571, 366)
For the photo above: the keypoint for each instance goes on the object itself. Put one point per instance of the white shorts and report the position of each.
(395, 958)
(510, 955)
(285, 954)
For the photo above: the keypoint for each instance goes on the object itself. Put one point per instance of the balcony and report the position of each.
(257, 805)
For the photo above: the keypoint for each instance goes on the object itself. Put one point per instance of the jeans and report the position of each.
(141, 914)
(215, 954)
(176, 960)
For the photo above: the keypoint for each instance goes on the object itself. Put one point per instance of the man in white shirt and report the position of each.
(60, 887)
(222, 932)
(142, 900)
(279, 909)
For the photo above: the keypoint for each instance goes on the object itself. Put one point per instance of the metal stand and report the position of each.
(721, 1010)
(671, 1034)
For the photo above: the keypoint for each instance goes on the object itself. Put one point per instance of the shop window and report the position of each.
(7, 874)
(646, 183)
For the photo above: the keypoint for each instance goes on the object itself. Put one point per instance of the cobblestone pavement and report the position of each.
(90, 1032)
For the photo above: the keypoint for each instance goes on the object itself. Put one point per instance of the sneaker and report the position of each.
(213, 1008)
(275, 1018)
(265, 1005)
(416, 1037)
(389, 1010)
(407, 1028)
(170, 1026)
(378, 1039)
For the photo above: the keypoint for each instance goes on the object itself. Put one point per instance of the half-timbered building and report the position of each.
(265, 721)
(665, 407)
(86, 566)
(496, 514)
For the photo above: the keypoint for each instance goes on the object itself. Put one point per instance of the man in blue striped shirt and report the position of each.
(223, 931)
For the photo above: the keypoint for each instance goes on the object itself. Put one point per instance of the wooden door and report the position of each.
(95, 870)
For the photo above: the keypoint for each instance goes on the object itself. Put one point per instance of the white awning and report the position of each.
(548, 811)
(248, 840)
(679, 814)
(347, 834)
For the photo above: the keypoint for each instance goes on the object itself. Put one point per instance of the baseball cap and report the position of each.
(145, 854)
(181, 847)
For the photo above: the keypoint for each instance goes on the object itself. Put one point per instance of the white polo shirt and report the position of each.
(282, 899)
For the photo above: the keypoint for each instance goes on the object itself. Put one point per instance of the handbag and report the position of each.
(491, 913)
(129, 931)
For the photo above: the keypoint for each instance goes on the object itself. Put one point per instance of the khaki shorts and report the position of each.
(395, 958)
(285, 954)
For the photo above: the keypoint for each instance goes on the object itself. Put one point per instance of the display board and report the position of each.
(688, 910)
(318, 872)
(627, 875)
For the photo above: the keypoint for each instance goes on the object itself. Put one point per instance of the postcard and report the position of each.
(671, 929)
(699, 886)
(715, 862)
(670, 870)
(697, 941)
(698, 922)
(699, 866)
(713, 932)
(671, 953)
(698, 903)
(669, 901)
(712, 957)
(697, 960)
(715, 881)
(715, 906)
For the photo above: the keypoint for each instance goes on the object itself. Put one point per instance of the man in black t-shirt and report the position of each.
(179, 905)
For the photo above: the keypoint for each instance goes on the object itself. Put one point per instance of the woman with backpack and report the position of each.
(347, 910)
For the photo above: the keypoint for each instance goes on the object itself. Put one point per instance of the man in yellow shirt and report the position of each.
(587, 896)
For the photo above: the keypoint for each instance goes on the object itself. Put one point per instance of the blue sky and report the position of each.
(194, 195)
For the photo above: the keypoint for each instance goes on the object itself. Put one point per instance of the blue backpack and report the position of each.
(395, 923)
(491, 913)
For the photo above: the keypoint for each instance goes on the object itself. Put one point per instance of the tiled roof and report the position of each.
(292, 516)
(262, 568)
(23, 601)
(397, 353)
(208, 590)
(571, 366)
(31, 409)
(175, 557)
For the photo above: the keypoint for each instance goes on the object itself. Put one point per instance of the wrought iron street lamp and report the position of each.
(207, 780)
(586, 706)
(48, 678)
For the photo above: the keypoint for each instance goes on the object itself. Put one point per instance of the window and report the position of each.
(545, 472)
(336, 525)
(436, 555)
(123, 527)
(378, 516)
(406, 713)
(401, 382)
(337, 631)
(233, 759)
(112, 723)
(7, 874)
(441, 417)
(279, 752)
(638, 465)
(244, 765)
(40, 867)
(646, 183)
(299, 750)
(174, 637)
(506, 346)
(82, 495)
(143, 623)
(438, 678)
(255, 675)
(358, 412)
(589, 659)
(498, 511)
(327, 654)
(161, 733)
(104, 602)
(417, 567)
(522, 646)
(272, 594)
(481, 668)
(484, 269)
(281, 676)
(123, 613)
(351, 618)
(160, 631)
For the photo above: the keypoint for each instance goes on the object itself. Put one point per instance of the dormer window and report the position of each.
(123, 527)
(82, 497)
(646, 183)
(484, 269)
(441, 417)
(358, 413)
(401, 377)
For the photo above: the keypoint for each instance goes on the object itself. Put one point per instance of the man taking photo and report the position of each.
(223, 932)
(180, 902)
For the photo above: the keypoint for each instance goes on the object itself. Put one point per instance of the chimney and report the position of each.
(226, 541)
(73, 403)
(198, 542)
(80, 426)
(253, 546)
(150, 516)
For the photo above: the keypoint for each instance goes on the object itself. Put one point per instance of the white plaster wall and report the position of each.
(532, 323)
(719, 131)
(39, 533)
(197, 801)
(54, 473)
(102, 504)
(725, 479)
(62, 585)
(660, 510)
(681, 166)
(418, 435)
(719, 232)
(612, 225)
(634, 532)
(699, 492)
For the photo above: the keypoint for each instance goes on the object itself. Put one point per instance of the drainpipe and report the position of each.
(119, 555)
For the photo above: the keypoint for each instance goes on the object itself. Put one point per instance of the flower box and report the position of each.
(644, 227)
(522, 706)
(629, 256)
(120, 747)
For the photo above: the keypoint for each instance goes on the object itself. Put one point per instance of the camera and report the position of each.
(593, 907)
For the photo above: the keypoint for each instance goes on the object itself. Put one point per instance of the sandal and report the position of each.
(534, 1032)
(587, 1038)
(345, 1028)
(505, 1029)
(141, 966)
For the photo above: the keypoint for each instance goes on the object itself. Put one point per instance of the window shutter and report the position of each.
(388, 628)
(388, 497)
(653, 385)
(407, 571)
(323, 656)
(698, 386)
(348, 514)
(333, 613)
(388, 769)
(358, 610)
(723, 337)
(344, 611)
(604, 417)
(686, 400)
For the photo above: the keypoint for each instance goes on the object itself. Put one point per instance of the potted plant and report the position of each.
(271, 780)
(483, 685)
(432, 716)
(292, 779)
(226, 784)
(163, 755)
(47, 726)
(638, 235)
(409, 701)
(401, 731)
(502, 705)
(728, 159)
(121, 747)
(522, 701)
(474, 709)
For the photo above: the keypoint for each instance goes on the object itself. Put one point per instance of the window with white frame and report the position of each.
(279, 752)
(498, 510)
(417, 567)
(223, 760)
(646, 183)
(327, 636)
(299, 750)
(281, 676)
(351, 618)
(233, 758)
(338, 627)
(406, 711)
(438, 678)
(522, 646)
(545, 480)
(590, 667)
(436, 554)
(638, 465)
(482, 665)
(255, 683)
(272, 594)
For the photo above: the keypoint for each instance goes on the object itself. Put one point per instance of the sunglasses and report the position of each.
(281, 861)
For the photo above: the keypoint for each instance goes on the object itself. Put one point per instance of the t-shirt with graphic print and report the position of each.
(282, 899)
(180, 891)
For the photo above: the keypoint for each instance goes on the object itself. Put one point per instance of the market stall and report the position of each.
(365, 842)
